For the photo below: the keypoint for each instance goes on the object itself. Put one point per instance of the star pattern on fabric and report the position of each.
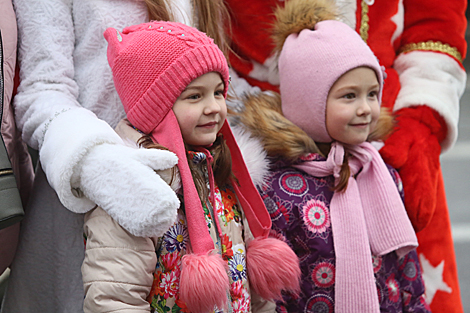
(398, 20)
(433, 278)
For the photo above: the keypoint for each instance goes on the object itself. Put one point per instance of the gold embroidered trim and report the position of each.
(6, 172)
(433, 46)
(364, 29)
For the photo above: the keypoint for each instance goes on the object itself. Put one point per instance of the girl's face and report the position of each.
(352, 106)
(201, 109)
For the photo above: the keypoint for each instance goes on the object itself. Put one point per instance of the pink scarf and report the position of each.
(368, 216)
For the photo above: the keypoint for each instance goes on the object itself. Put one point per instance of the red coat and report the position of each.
(422, 44)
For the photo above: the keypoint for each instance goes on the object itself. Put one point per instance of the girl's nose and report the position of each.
(212, 106)
(364, 107)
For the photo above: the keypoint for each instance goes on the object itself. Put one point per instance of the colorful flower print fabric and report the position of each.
(299, 206)
(172, 246)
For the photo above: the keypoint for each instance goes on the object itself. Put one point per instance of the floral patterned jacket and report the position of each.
(174, 244)
(299, 207)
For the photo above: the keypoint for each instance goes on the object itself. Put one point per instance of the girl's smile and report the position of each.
(209, 125)
(201, 110)
(352, 106)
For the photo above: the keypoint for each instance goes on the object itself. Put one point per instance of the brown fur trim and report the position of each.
(297, 15)
(384, 127)
(280, 137)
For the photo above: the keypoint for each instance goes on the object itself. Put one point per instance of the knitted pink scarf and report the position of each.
(368, 216)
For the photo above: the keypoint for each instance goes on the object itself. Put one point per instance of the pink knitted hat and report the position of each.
(310, 63)
(152, 64)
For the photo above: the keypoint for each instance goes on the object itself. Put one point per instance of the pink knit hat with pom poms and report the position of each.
(152, 64)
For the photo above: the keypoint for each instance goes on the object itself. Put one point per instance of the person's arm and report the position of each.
(429, 62)
(432, 81)
(85, 161)
(47, 109)
(118, 267)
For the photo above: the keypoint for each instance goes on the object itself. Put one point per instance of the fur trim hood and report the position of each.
(262, 116)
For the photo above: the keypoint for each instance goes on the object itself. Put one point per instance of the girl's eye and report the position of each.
(373, 94)
(349, 96)
(219, 93)
(193, 97)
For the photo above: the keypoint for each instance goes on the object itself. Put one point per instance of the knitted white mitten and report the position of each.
(122, 181)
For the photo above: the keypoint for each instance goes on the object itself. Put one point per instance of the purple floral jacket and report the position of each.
(299, 207)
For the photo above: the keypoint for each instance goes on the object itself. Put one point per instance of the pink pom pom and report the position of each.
(272, 266)
(204, 282)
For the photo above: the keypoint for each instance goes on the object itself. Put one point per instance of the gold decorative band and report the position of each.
(6, 172)
(433, 46)
(364, 30)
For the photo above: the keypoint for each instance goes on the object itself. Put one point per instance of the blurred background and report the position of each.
(456, 172)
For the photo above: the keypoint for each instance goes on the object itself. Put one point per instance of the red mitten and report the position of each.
(414, 149)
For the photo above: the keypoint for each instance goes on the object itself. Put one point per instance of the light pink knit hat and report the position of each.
(152, 64)
(310, 63)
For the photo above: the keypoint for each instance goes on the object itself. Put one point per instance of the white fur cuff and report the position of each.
(69, 136)
(435, 80)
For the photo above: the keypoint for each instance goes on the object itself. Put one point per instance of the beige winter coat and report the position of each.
(118, 263)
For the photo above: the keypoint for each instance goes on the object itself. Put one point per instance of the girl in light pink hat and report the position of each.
(172, 80)
(329, 193)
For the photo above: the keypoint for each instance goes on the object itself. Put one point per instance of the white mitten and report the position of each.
(122, 181)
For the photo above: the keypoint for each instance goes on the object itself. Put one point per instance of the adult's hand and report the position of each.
(122, 180)
(414, 150)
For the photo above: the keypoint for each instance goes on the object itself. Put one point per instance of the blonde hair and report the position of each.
(211, 17)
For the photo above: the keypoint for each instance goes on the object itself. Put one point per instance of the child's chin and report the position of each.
(204, 142)
(354, 141)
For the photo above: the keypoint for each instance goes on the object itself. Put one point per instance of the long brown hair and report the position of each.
(221, 165)
(210, 16)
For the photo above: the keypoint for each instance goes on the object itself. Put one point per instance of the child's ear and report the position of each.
(384, 127)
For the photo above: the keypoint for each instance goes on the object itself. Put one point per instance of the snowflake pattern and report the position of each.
(323, 275)
(320, 303)
(376, 263)
(410, 270)
(293, 184)
(393, 288)
(316, 216)
(303, 220)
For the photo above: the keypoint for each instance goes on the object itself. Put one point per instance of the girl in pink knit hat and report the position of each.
(172, 80)
(329, 193)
